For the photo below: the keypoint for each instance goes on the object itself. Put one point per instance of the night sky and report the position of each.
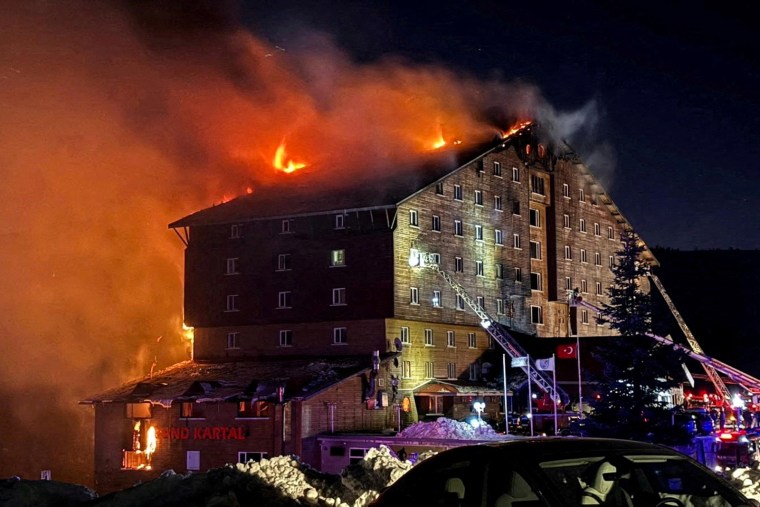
(670, 91)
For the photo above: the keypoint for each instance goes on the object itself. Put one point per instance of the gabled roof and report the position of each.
(222, 381)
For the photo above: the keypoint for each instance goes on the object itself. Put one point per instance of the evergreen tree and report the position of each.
(635, 367)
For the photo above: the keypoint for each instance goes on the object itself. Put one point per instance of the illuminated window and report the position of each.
(458, 228)
(497, 203)
(498, 237)
(535, 281)
(286, 226)
(340, 221)
(429, 338)
(450, 339)
(138, 410)
(232, 340)
(253, 409)
(232, 303)
(193, 460)
(235, 230)
(339, 296)
(478, 268)
(248, 456)
(232, 266)
(535, 217)
(286, 338)
(284, 299)
(340, 336)
(479, 198)
(478, 233)
(536, 315)
(535, 250)
(338, 258)
(457, 192)
(413, 218)
(283, 262)
(516, 175)
(414, 296)
(436, 299)
(405, 338)
(497, 169)
(436, 225)
(190, 410)
(472, 341)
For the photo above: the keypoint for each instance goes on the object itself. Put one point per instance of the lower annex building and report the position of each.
(309, 318)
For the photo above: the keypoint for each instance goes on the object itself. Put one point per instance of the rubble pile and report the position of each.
(444, 428)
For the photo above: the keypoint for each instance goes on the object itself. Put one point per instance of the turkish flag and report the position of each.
(566, 352)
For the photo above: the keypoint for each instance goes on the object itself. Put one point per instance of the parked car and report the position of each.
(561, 471)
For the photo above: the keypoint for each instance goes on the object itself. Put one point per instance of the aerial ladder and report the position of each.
(711, 365)
(495, 330)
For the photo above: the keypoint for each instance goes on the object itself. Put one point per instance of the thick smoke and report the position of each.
(118, 118)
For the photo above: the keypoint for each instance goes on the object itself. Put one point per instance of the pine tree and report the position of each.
(636, 368)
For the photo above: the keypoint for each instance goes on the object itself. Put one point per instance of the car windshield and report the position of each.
(636, 479)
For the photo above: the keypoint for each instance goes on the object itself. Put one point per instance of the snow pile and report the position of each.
(444, 428)
(748, 481)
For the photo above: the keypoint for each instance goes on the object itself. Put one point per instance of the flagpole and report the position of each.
(504, 370)
(580, 392)
(530, 397)
(554, 402)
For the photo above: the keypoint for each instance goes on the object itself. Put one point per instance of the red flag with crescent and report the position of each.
(566, 352)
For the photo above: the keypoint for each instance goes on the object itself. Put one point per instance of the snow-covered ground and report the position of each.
(278, 482)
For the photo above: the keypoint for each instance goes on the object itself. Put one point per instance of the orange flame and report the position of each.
(280, 162)
(440, 142)
(151, 444)
(516, 128)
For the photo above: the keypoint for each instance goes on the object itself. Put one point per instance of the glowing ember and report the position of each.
(280, 162)
(150, 444)
(515, 128)
(440, 142)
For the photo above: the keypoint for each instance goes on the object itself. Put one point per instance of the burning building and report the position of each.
(309, 317)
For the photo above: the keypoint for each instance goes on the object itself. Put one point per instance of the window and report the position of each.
(478, 233)
(414, 296)
(138, 410)
(582, 225)
(537, 185)
(286, 338)
(518, 275)
(581, 195)
(471, 340)
(283, 262)
(337, 258)
(406, 369)
(535, 217)
(611, 261)
(439, 188)
(516, 175)
(535, 250)
(473, 371)
(516, 208)
(235, 231)
(566, 191)
(566, 221)
(435, 258)
(193, 460)
(584, 316)
(481, 302)
(286, 226)
(405, 335)
(232, 303)
(499, 306)
(248, 456)
(568, 252)
(499, 271)
(339, 296)
(451, 371)
(340, 336)
(610, 233)
(460, 302)
(584, 259)
(429, 338)
(599, 319)
(457, 192)
(568, 283)
(535, 281)
(536, 315)
(598, 288)
(232, 266)
(457, 228)
(190, 410)
(232, 340)
(479, 198)
(597, 259)
(478, 268)
(253, 409)
(497, 169)
(498, 237)
(458, 265)
(516, 241)
(584, 286)
(436, 225)
(340, 221)
(284, 299)
(429, 369)
(413, 218)
(597, 229)
(450, 339)
(497, 203)
(437, 299)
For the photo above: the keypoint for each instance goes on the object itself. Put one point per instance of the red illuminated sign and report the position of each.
(202, 433)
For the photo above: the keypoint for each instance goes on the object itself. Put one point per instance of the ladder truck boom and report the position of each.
(497, 332)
